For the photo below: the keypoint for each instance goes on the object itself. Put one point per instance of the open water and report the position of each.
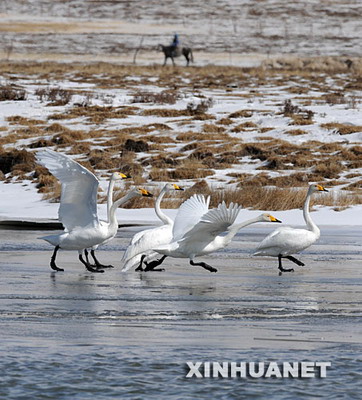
(76, 335)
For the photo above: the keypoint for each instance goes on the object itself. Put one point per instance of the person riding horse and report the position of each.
(175, 50)
(175, 45)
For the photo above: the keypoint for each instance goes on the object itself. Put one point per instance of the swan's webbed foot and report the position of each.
(55, 267)
(97, 264)
(96, 270)
(151, 266)
(88, 266)
(100, 266)
(52, 260)
(139, 268)
(204, 265)
(295, 260)
(281, 269)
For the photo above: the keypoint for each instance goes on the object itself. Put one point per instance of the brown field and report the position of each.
(207, 143)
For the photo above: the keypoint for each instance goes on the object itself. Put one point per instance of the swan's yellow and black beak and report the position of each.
(124, 176)
(177, 187)
(273, 219)
(321, 188)
(145, 193)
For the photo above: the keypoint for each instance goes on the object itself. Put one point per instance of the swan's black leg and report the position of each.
(281, 269)
(296, 261)
(151, 266)
(86, 256)
(139, 268)
(87, 265)
(52, 260)
(204, 265)
(97, 263)
(187, 60)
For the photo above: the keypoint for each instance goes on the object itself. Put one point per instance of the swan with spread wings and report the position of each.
(197, 231)
(78, 207)
(142, 243)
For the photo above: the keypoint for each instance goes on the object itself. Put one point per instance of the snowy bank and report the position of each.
(23, 203)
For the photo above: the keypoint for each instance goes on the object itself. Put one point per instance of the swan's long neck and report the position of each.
(233, 230)
(112, 212)
(307, 218)
(110, 197)
(163, 217)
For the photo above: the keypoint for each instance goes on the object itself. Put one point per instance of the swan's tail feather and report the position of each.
(52, 239)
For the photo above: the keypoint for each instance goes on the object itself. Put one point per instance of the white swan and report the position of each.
(78, 207)
(142, 242)
(114, 177)
(197, 230)
(285, 241)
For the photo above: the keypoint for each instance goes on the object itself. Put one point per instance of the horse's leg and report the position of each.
(165, 61)
(173, 61)
(187, 59)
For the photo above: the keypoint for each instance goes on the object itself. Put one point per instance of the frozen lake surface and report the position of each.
(76, 335)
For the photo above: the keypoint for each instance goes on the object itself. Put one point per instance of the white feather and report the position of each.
(78, 202)
(286, 241)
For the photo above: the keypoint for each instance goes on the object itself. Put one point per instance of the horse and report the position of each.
(171, 52)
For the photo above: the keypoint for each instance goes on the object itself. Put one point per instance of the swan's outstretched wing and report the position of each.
(213, 223)
(189, 214)
(78, 202)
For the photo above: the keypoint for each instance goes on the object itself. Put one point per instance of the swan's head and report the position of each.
(143, 192)
(117, 176)
(317, 188)
(173, 186)
(176, 187)
(269, 218)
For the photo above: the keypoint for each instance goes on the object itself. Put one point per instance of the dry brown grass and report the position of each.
(165, 112)
(81, 148)
(12, 93)
(190, 168)
(54, 95)
(276, 199)
(95, 114)
(159, 127)
(117, 75)
(204, 136)
(225, 121)
(242, 114)
(329, 169)
(342, 129)
(16, 161)
(20, 120)
(296, 132)
(214, 129)
(209, 146)
(164, 97)
(159, 175)
(298, 119)
(108, 160)
(244, 127)
(157, 139)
